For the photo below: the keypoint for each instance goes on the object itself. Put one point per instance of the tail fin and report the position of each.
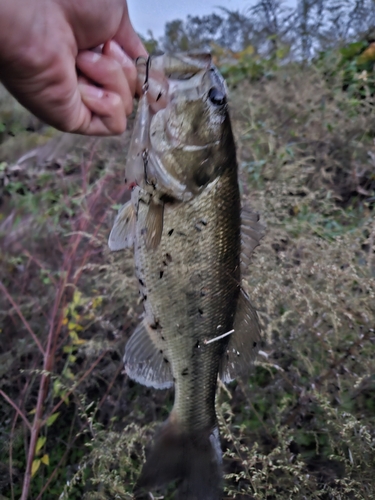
(194, 460)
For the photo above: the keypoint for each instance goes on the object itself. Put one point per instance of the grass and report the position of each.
(302, 425)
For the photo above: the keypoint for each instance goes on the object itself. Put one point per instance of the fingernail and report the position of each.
(89, 56)
(91, 91)
(120, 55)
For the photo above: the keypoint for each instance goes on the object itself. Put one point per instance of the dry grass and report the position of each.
(303, 424)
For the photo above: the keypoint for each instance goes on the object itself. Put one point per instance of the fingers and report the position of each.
(114, 51)
(101, 112)
(107, 72)
(106, 90)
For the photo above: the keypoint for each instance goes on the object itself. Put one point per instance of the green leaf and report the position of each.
(40, 443)
(77, 297)
(51, 419)
(35, 466)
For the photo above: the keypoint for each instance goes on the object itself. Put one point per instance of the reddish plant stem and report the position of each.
(53, 474)
(11, 455)
(48, 361)
(110, 385)
(53, 336)
(18, 411)
(95, 363)
(22, 318)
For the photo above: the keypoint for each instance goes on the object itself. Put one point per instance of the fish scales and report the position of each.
(191, 239)
(191, 282)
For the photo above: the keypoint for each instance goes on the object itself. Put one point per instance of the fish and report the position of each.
(192, 241)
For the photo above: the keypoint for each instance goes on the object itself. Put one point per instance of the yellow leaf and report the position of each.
(76, 297)
(248, 51)
(97, 302)
(45, 459)
(40, 443)
(71, 325)
(32, 412)
(367, 55)
(73, 335)
(69, 374)
(57, 387)
(35, 466)
(65, 321)
(79, 341)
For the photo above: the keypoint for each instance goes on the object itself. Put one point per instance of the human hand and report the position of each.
(43, 42)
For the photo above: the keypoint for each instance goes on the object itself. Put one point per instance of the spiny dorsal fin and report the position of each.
(252, 231)
(123, 231)
(244, 342)
(145, 362)
(153, 225)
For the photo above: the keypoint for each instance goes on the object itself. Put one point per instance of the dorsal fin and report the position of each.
(243, 343)
(123, 231)
(145, 360)
(252, 231)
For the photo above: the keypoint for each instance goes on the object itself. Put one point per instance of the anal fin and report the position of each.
(244, 342)
(123, 231)
(145, 362)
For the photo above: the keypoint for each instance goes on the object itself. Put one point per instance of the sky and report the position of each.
(153, 14)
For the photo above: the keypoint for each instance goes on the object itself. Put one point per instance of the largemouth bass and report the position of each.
(190, 238)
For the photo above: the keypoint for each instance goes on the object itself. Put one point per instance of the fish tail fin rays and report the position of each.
(192, 460)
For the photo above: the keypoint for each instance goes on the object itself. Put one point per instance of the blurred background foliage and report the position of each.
(302, 425)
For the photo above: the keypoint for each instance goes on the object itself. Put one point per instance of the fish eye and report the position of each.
(216, 96)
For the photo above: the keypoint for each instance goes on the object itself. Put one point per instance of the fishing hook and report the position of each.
(145, 152)
(145, 84)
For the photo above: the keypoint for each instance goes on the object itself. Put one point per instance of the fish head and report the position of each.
(190, 137)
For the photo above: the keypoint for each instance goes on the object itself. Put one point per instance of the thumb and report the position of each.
(128, 39)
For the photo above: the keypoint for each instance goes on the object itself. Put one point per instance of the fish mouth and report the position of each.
(190, 73)
(186, 99)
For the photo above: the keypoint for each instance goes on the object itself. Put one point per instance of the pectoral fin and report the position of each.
(145, 361)
(123, 231)
(153, 225)
(244, 342)
(252, 231)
